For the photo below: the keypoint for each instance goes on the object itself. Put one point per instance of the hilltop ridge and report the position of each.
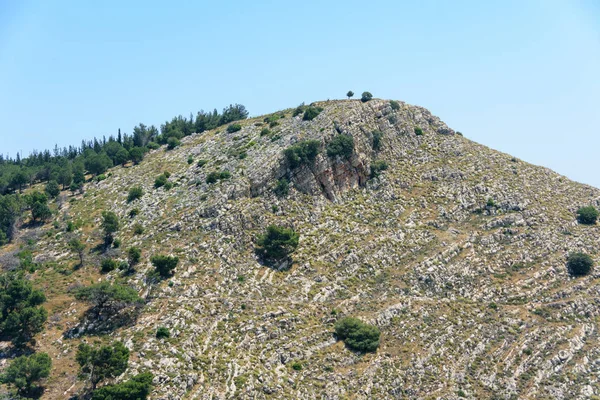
(456, 252)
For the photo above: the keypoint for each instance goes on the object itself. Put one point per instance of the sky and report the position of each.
(522, 77)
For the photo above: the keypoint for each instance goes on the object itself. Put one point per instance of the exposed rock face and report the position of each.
(456, 252)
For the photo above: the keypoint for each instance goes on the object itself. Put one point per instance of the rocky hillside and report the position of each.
(455, 251)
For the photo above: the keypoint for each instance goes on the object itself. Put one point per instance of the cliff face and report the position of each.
(456, 252)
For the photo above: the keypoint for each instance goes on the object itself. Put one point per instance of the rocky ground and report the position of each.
(456, 252)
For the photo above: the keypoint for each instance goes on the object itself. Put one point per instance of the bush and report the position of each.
(108, 265)
(395, 105)
(587, 215)
(282, 188)
(299, 110)
(110, 225)
(190, 160)
(136, 154)
(108, 299)
(160, 181)
(234, 128)
(377, 137)
(579, 264)
(134, 212)
(265, 132)
(311, 113)
(215, 176)
(301, 153)
(366, 96)
(100, 363)
(134, 255)
(377, 167)
(21, 313)
(137, 388)
(277, 243)
(164, 265)
(135, 192)
(172, 142)
(418, 131)
(24, 372)
(201, 163)
(153, 145)
(341, 145)
(52, 189)
(138, 229)
(162, 333)
(357, 335)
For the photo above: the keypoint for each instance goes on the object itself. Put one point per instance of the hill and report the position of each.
(456, 252)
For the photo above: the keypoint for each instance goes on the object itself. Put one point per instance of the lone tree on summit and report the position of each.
(350, 94)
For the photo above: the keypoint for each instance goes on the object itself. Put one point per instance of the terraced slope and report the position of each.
(456, 252)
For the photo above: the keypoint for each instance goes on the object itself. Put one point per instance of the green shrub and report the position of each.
(341, 145)
(234, 128)
(133, 212)
(378, 166)
(377, 137)
(201, 163)
(110, 225)
(296, 366)
(301, 153)
(108, 265)
(215, 176)
(52, 189)
(418, 131)
(100, 178)
(358, 335)
(25, 372)
(265, 132)
(161, 180)
(101, 363)
(153, 145)
(138, 229)
(190, 160)
(587, 215)
(172, 142)
(135, 192)
(134, 255)
(395, 105)
(277, 243)
(299, 110)
(162, 333)
(311, 113)
(282, 188)
(366, 96)
(579, 264)
(136, 388)
(164, 265)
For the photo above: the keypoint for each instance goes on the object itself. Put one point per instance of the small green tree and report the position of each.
(282, 187)
(311, 113)
(164, 264)
(100, 363)
(134, 254)
(136, 388)
(25, 372)
(52, 189)
(366, 96)
(357, 335)
(77, 247)
(377, 137)
(161, 180)
(110, 225)
(350, 94)
(40, 211)
(65, 176)
(122, 156)
(234, 128)
(136, 154)
(302, 153)
(162, 333)
(378, 166)
(21, 313)
(418, 131)
(341, 145)
(579, 264)
(172, 142)
(277, 243)
(395, 105)
(135, 192)
(107, 265)
(587, 215)
(108, 299)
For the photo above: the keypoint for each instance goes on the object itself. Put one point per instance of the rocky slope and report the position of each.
(456, 252)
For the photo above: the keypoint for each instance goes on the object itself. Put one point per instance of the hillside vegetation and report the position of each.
(356, 249)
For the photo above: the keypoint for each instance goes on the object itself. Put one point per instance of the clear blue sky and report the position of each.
(519, 76)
